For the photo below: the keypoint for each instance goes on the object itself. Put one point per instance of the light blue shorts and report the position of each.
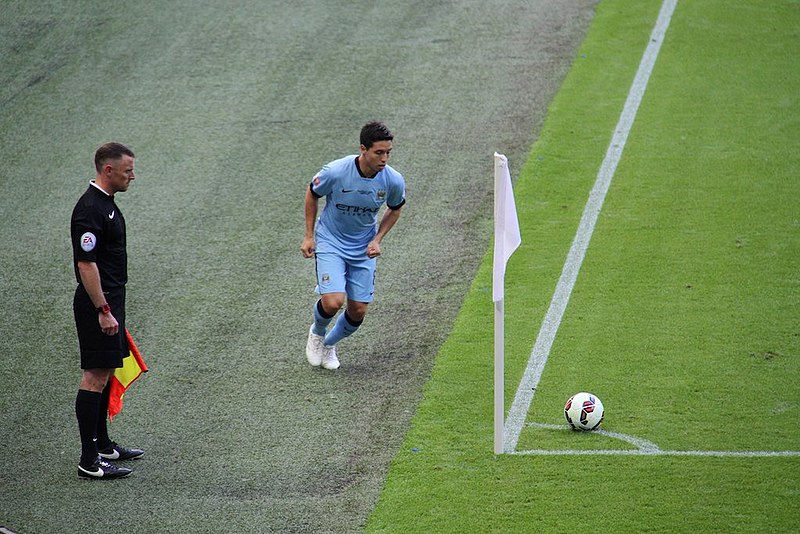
(356, 278)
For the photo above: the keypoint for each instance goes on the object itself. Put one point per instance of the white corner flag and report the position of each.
(506, 240)
(506, 224)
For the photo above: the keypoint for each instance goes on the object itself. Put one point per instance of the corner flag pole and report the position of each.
(506, 240)
(499, 373)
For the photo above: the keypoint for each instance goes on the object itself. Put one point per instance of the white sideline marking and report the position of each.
(547, 333)
(643, 447)
(635, 452)
(544, 341)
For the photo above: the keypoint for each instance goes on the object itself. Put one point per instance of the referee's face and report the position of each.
(121, 173)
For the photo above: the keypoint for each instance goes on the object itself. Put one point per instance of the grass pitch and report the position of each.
(231, 108)
(683, 319)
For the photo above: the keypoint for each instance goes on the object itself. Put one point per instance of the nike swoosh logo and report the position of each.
(98, 473)
(113, 456)
(347, 190)
(111, 217)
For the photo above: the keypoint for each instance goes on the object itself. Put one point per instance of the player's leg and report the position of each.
(360, 287)
(347, 323)
(331, 284)
(321, 318)
(100, 355)
(106, 448)
(330, 269)
(87, 410)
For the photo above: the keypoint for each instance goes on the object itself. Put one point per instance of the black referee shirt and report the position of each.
(98, 235)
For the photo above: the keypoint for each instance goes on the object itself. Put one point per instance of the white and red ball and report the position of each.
(584, 411)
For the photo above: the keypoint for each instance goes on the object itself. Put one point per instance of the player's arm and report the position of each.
(90, 278)
(308, 245)
(390, 217)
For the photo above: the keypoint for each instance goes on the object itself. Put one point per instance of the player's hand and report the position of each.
(308, 247)
(108, 324)
(373, 249)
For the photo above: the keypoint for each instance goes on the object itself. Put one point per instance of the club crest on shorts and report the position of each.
(326, 278)
(88, 241)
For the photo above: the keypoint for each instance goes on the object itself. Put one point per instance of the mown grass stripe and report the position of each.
(566, 283)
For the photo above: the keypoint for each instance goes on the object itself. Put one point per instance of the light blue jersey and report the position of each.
(349, 220)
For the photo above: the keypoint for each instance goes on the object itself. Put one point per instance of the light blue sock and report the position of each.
(343, 327)
(321, 319)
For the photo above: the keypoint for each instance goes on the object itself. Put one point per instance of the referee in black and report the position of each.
(101, 268)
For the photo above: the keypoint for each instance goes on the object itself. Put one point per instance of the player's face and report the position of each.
(374, 158)
(120, 174)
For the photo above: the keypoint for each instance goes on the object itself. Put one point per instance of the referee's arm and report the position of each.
(90, 278)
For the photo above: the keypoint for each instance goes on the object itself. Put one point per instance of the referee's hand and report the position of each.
(108, 324)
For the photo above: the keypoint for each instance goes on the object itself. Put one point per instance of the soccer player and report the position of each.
(101, 268)
(347, 239)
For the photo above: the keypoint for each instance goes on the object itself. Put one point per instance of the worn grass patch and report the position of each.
(231, 108)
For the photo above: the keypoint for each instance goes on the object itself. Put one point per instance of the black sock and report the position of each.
(353, 322)
(103, 441)
(86, 408)
(322, 311)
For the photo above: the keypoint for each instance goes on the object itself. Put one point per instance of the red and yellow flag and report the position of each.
(132, 368)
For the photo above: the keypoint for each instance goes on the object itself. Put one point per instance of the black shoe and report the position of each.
(101, 469)
(118, 452)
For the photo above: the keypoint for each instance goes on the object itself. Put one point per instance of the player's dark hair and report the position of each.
(109, 151)
(375, 131)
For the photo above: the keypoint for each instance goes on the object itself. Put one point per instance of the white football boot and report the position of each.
(315, 348)
(329, 359)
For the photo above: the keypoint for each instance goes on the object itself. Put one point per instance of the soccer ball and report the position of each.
(584, 411)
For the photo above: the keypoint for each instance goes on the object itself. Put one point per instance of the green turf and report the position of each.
(231, 107)
(684, 316)
(683, 319)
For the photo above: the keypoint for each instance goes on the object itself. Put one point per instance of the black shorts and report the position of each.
(98, 350)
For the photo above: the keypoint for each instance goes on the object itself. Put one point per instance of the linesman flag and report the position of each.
(506, 225)
(132, 368)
